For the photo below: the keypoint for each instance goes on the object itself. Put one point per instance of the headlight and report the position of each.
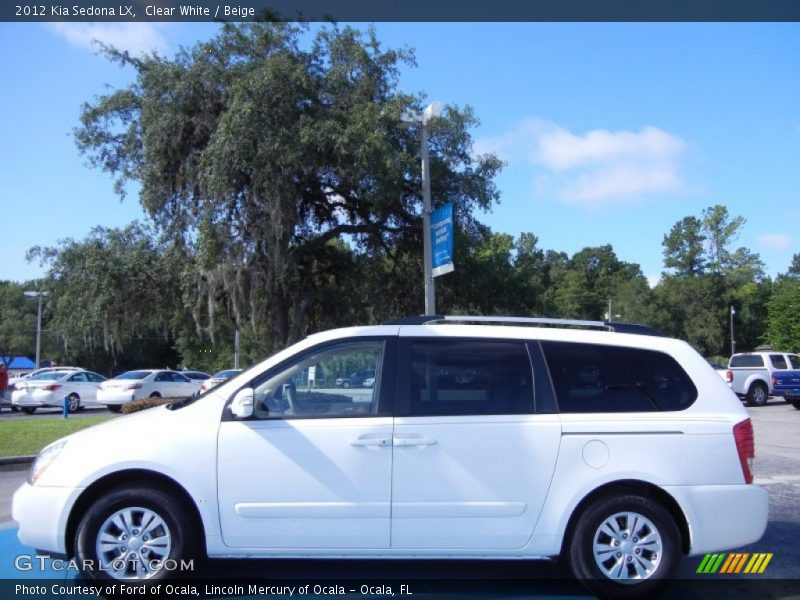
(44, 460)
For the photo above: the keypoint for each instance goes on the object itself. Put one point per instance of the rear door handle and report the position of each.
(371, 441)
(414, 441)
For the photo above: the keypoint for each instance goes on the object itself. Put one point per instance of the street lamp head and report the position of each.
(31, 294)
(432, 111)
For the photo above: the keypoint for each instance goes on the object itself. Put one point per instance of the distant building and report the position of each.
(18, 365)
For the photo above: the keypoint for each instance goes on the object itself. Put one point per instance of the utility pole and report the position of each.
(236, 350)
(32, 294)
(733, 342)
(431, 112)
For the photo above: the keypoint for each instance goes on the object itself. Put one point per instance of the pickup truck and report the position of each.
(750, 374)
(787, 384)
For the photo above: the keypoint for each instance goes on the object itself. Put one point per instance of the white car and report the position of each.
(217, 378)
(20, 378)
(145, 383)
(618, 450)
(49, 388)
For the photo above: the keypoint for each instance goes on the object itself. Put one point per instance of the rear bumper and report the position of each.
(115, 398)
(722, 517)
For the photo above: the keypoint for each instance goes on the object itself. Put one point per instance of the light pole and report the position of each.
(38, 295)
(431, 112)
(733, 343)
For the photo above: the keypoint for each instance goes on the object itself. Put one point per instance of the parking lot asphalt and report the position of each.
(777, 467)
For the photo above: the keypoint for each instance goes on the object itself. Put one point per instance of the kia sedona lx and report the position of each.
(603, 444)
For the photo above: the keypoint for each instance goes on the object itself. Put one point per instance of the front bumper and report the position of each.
(722, 517)
(42, 514)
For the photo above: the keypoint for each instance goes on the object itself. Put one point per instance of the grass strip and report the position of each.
(23, 437)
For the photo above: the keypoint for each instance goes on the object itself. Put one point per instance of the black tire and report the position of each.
(155, 395)
(29, 410)
(580, 547)
(346, 383)
(14, 409)
(115, 408)
(796, 403)
(177, 525)
(73, 403)
(758, 394)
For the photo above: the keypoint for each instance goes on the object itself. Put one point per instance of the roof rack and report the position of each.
(535, 321)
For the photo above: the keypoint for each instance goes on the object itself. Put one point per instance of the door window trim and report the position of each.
(403, 388)
(385, 390)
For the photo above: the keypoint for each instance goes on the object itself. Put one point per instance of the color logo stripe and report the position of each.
(735, 562)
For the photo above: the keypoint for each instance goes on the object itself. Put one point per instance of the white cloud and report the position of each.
(136, 38)
(599, 167)
(775, 241)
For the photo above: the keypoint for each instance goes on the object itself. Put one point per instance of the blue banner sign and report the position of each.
(442, 240)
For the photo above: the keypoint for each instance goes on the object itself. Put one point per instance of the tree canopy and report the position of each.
(262, 155)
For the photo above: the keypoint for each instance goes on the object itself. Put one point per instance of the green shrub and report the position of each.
(144, 403)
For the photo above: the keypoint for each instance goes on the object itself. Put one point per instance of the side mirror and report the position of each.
(242, 404)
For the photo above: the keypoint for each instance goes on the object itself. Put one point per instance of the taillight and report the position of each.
(51, 388)
(774, 381)
(135, 386)
(729, 376)
(746, 447)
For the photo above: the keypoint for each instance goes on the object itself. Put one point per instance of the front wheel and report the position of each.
(624, 546)
(757, 394)
(136, 534)
(29, 410)
(796, 403)
(115, 408)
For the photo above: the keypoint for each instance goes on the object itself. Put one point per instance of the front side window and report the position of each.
(308, 388)
(592, 378)
(465, 377)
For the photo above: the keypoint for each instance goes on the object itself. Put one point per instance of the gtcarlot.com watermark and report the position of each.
(29, 562)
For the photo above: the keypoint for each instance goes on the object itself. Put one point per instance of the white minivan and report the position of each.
(482, 437)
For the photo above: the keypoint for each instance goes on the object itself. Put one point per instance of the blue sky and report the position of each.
(611, 132)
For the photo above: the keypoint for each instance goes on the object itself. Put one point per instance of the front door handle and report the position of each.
(414, 441)
(371, 441)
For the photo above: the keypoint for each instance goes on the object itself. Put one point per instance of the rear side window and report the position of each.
(795, 360)
(590, 378)
(778, 361)
(464, 377)
(746, 360)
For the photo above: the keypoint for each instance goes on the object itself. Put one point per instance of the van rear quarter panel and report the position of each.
(690, 448)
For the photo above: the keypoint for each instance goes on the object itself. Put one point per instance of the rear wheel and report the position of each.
(73, 403)
(155, 395)
(135, 534)
(115, 408)
(796, 403)
(624, 546)
(29, 410)
(757, 394)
